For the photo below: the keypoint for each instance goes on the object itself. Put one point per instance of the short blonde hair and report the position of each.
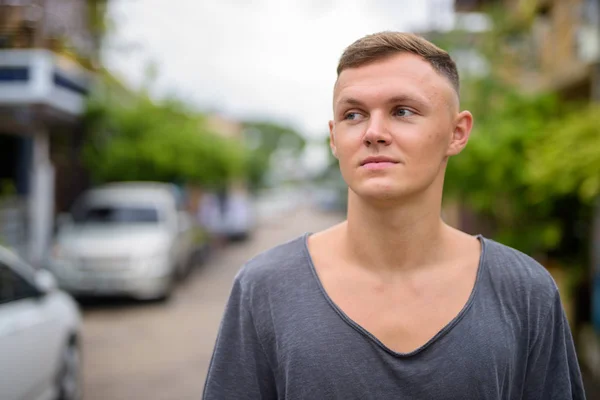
(381, 45)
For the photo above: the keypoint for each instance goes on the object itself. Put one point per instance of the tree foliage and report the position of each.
(492, 175)
(532, 165)
(165, 142)
(567, 161)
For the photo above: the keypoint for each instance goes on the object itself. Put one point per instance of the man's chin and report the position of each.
(380, 194)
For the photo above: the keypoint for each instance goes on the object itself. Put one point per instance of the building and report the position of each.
(561, 48)
(47, 48)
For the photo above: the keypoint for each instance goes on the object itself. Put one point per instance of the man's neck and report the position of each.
(394, 238)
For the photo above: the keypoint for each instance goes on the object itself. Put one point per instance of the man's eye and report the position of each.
(352, 116)
(403, 112)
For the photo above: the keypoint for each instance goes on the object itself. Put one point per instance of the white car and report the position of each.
(39, 335)
(124, 239)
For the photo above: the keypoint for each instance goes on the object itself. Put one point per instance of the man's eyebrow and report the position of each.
(408, 98)
(350, 101)
(396, 99)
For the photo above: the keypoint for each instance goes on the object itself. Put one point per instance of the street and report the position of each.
(137, 350)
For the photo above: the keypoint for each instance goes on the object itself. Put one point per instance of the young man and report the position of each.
(393, 303)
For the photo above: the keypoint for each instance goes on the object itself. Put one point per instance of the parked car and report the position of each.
(124, 239)
(40, 355)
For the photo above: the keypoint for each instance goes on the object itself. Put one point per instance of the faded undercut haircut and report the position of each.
(378, 46)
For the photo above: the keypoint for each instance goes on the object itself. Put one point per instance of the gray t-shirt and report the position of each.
(282, 337)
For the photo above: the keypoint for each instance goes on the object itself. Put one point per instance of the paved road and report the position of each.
(161, 351)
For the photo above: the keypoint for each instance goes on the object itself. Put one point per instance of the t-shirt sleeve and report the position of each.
(552, 368)
(239, 368)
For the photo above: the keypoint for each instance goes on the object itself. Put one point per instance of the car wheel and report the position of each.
(70, 379)
(167, 293)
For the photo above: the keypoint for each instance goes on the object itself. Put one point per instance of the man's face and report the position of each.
(396, 122)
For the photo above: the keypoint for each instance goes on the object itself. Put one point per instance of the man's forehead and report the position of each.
(399, 75)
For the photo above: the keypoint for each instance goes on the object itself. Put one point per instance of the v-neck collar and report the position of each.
(447, 328)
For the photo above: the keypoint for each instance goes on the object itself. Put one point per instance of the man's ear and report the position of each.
(462, 131)
(332, 139)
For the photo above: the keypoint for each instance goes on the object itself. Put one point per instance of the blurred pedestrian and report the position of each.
(393, 303)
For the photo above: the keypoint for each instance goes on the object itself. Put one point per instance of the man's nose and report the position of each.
(377, 132)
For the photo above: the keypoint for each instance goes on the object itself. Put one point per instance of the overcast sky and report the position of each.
(272, 59)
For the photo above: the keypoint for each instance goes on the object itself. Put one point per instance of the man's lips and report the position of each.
(379, 165)
(378, 162)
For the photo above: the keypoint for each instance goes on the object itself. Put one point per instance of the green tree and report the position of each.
(532, 166)
(567, 161)
(165, 142)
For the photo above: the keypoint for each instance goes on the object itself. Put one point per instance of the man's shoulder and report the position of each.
(518, 274)
(282, 262)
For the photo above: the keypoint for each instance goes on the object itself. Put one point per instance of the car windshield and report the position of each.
(111, 214)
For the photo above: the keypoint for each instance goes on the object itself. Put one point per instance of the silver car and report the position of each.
(123, 239)
(40, 338)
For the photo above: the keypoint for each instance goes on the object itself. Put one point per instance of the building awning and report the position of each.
(37, 84)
